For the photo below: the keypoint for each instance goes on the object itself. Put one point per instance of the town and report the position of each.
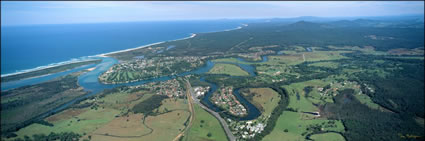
(143, 69)
(201, 91)
(226, 100)
(248, 129)
(172, 88)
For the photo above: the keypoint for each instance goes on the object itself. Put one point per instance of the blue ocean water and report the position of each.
(31, 46)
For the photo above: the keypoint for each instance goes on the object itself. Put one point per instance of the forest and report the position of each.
(357, 119)
(299, 33)
(147, 106)
(39, 98)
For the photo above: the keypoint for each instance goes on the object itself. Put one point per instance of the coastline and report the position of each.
(93, 57)
(192, 36)
(144, 46)
(49, 66)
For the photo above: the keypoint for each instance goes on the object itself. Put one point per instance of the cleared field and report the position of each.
(293, 125)
(325, 64)
(265, 99)
(298, 97)
(229, 69)
(293, 58)
(328, 137)
(85, 122)
(296, 126)
(172, 115)
(232, 60)
(164, 127)
(203, 124)
(298, 101)
(127, 126)
(364, 99)
(108, 118)
(173, 104)
(25, 103)
(124, 101)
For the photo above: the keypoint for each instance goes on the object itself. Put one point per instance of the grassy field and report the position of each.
(296, 124)
(110, 118)
(86, 122)
(164, 127)
(279, 67)
(24, 103)
(203, 124)
(232, 60)
(293, 58)
(265, 99)
(172, 115)
(297, 96)
(364, 99)
(229, 69)
(328, 137)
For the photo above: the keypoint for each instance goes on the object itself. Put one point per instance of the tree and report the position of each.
(209, 134)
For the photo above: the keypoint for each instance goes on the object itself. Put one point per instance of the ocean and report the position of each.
(29, 47)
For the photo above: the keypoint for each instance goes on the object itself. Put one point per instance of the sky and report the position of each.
(67, 12)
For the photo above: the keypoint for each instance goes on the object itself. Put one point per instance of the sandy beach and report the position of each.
(192, 36)
(90, 69)
(125, 50)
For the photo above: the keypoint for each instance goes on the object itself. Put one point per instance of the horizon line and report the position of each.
(213, 19)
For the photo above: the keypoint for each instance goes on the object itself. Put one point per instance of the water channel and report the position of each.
(91, 83)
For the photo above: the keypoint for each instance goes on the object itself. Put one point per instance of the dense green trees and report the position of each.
(63, 136)
(147, 106)
(36, 95)
(363, 123)
(277, 111)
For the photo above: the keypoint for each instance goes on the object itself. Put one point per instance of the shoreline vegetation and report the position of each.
(117, 53)
(110, 54)
(7, 77)
(38, 99)
(47, 71)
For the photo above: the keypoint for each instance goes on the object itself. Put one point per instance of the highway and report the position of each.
(223, 123)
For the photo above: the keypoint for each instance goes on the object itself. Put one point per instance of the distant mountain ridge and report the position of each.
(392, 22)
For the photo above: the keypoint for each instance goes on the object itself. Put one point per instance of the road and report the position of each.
(192, 112)
(223, 123)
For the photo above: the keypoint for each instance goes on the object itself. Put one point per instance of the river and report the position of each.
(91, 83)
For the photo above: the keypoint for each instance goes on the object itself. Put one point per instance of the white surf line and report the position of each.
(192, 36)
(88, 58)
(144, 46)
(46, 67)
